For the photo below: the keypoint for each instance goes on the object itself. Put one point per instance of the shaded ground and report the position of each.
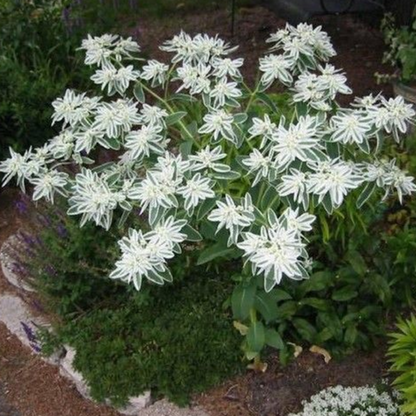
(280, 390)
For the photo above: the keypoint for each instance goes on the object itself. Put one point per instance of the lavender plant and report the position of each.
(202, 163)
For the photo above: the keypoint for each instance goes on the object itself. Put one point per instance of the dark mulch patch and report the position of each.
(280, 390)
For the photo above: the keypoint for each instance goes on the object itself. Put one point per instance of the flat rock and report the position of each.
(165, 408)
(7, 264)
(19, 320)
(67, 370)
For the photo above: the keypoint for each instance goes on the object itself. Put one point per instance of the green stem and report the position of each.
(172, 111)
(253, 320)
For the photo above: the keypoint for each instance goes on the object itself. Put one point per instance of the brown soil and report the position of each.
(280, 390)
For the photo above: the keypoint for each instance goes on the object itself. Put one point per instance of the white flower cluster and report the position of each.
(233, 168)
(350, 401)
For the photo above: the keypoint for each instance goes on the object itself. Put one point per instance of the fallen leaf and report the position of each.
(318, 350)
(298, 349)
(242, 329)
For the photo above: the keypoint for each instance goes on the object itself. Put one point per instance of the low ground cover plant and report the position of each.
(209, 172)
(351, 401)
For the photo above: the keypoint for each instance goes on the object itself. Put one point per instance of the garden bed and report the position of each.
(35, 388)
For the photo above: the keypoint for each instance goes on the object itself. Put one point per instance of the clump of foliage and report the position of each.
(205, 168)
(348, 401)
(176, 341)
(402, 353)
(402, 47)
(37, 61)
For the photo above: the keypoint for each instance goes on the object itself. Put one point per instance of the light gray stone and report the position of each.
(165, 408)
(136, 404)
(66, 369)
(7, 264)
(19, 320)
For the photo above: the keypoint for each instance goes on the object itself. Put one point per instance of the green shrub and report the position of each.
(37, 62)
(402, 353)
(176, 340)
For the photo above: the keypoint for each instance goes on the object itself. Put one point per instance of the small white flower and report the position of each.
(300, 223)
(48, 183)
(15, 165)
(298, 141)
(195, 190)
(155, 72)
(335, 179)
(152, 193)
(62, 146)
(98, 49)
(227, 67)
(194, 78)
(152, 114)
(116, 80)
(233, 217)
(143, 141)
(141, 258)
(167, 231)
(262, 127)
(219, 123)
(208, 159)
(276, 252)
(258, 164)
(350, 127)
(224, 90)
(93, 198)
(295, 183)
(276, 67)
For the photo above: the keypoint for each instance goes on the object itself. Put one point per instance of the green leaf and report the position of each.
(287, 309)
(331, 321)
(265, 303)
(256, 337)
(280, 294)
(205, 208)
(175, 117)
(242, 299)
(317, 282)
(366, 193)
(182, 97)
(344, 294)
(316, 303)
(240, 118)
(273, 339)
(357, 262)
(185, 149)
(305, 329)
(350, 334)
(139, 93)
(230, 175)
(191, 233)
(213, 252)
(112, 143)
(267, 100)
